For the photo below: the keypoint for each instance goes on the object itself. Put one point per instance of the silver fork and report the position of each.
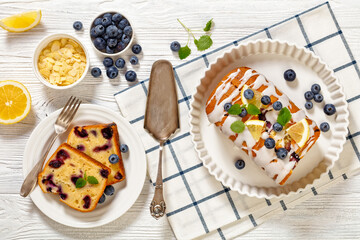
(61, 125)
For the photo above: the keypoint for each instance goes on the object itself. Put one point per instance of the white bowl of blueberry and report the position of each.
(111, 33)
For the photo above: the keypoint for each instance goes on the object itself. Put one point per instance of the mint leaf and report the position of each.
(237, 126)
(184, 52)
(235, 109)
(80, 182)
(92, 180)
(253, 110)
(203, 43)
(284, 116)
(208, 25)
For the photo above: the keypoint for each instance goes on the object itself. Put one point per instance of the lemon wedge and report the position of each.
(299, 132)
(256, 100)
(255, 128)
(21, 22)
(15, 102)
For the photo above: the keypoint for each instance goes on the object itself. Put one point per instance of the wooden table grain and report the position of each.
(334, 214)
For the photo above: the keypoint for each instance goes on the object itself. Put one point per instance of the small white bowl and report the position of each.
(118, 53)
(42, 44)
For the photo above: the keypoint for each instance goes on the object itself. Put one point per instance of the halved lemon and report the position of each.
(255, 127)
(300, 132)
(21, 22)
(256, 100)
(15, 102)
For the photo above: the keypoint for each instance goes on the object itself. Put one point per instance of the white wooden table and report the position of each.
(334, 214)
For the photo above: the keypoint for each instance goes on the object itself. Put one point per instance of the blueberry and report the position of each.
(106, 21)
(240, 164)
(120, 63)
(134, 60)
(109, 190)
(102, 199)
(249, 94)
(329, 109)
(318, 98)
(95, 72)
(277, 127)
(93, 32)
(130, 76)
(227, 106)
(136, 48)
(269, 143)
(281, 153)
(243, 112)
(109, 50)
(123, 23)
(124, 148)
(125, 39)
(112, 42)
(308, 105)
(100, 43)
(108, 15)
(116, 17)
(98, 21)
(128, 30)
(108, 62)
(112, 31)
(315, 88)
(266, 100)
(309, 95)
(324, 127)
(277, 105)
(120, 46)
(106, 37)
(99, 30)
(112, 72)
(77, 25)
(289, 75)
(175, 46)
(114, 158)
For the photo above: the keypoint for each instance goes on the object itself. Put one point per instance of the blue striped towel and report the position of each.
(197, 204)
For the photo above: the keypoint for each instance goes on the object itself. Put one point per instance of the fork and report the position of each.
(61, 125)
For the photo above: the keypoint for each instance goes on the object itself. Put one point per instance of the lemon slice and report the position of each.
(255, 128)
(15, 102)
(300, 132)
(21, 22)
(256, 100)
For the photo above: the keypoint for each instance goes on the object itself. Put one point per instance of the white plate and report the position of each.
(126, 192)
(270, 58)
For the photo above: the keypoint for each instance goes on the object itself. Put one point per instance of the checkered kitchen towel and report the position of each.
(197, 204)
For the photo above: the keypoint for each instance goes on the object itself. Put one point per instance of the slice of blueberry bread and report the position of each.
(100, 142)
(61, 174)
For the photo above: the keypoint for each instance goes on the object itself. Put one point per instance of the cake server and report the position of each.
(161, 120)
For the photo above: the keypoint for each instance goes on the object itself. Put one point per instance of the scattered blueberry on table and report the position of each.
(227, 106)
(134, 60)
(289, 75)
(112, 72)
(113, 158)
(309, 95)
(240, 164)
(175, 46)
(136, 49)
(95, 72)
(266, 100)
(277, 105)
(124, 148)
(324, 127)
(130, 76)
(329, 109)
(77, 25)
(308, 105)
(249, 94)
(102, 199)
(120, 63)
(318, 98)
(281, 153)
(109, 190)
(315, 88)
(269, 143)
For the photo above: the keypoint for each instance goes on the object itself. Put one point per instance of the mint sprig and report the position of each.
(237, 126)
(81, 182)
(184, 52)
(203, 43)
(284, 116)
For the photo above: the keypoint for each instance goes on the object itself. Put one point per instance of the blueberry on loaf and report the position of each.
(61, 174)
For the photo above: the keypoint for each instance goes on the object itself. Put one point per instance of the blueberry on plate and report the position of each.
(111, 42)
(98, 21)
(100, 43)
(175, 46)
(318, 98)
(77, 25)
(109, 190)
(116, 17)
(124, 148)
(240, 164)
(120, 63)
(243, 112)
(112, 72)
(227, 106)
(130, 76)
(249, 94)
(108, 62)
(112, 31)
(113, 158)
(136, 49)
(277, 127)
(266, 100)
(134, 60)
(308, 105)
(315, 88)
(309, 95)
(106, 21)
(128, 30)
(120, 33)
(108, 15)
(95, 72)
(281, 153)
(329, 109)
(123, 23)
(277, 105)
(289, 75)
(99, 29)
(324, 127)
(93, 32)
(125, 39)
(102, 199)
(269, 143)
